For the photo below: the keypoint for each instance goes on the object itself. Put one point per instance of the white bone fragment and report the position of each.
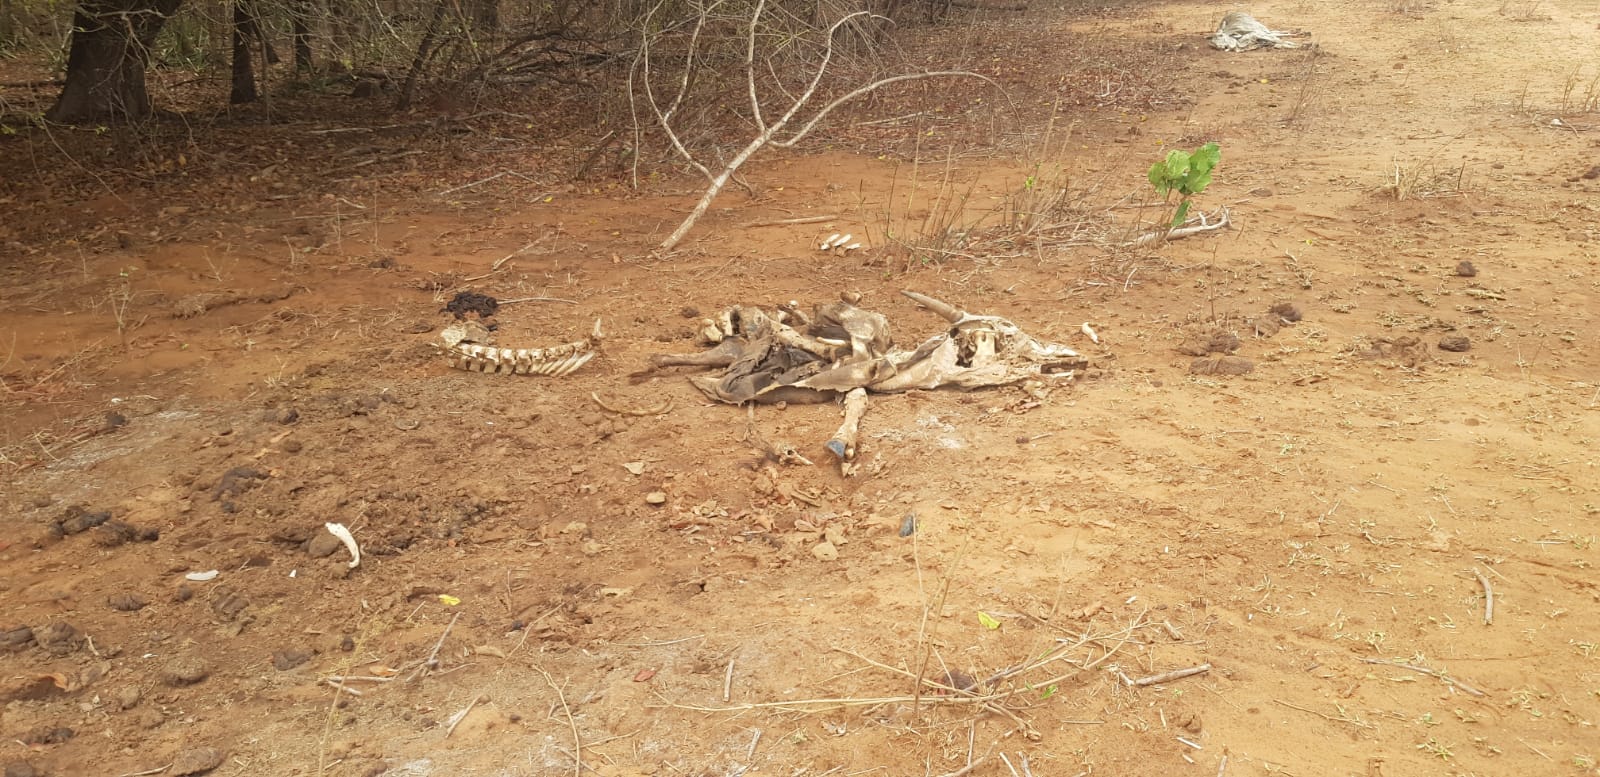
(201, 577)
(1089, 330)
(338, 530)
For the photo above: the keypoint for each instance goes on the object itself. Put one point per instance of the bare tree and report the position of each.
(775, 131)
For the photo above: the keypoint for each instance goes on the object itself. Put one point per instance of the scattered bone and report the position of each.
(349, 540)
(466, 346)
(843, 444)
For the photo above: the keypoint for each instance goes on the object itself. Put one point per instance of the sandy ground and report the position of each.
(1322, 531)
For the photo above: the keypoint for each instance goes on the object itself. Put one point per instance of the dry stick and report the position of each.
(727, 682)
(455, 720)
(148, 772)
(538, 299)
(1488, 597)
(1222, 768)
(433, 655)
(1176, 674)
(966, 770)
(577, 741)
(784, 222)
(1424, 670)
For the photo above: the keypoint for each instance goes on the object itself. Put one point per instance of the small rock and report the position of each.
(825, 551)
(1226, 365)
(1465, 269)
(1288, 311)
(151, 718)
(16, 638)
(186, 670)
(197, 761)
(1455, 343)
(656, 498)
(284, 660)
(291, 446)
(59, 638)
(114, 420)
(126, 602)
(21, 769)
(113, 533)
(129, 697)
(323, 544)
(48, 735)
(184, 593)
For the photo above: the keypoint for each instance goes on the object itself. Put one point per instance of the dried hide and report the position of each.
(1240, 31)
(785, 356)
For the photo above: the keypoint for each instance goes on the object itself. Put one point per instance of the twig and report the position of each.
(577, 741)
(148, 772)
(1167, 236)
(1176, 674)
(342, 687)
(783, 222)
(433, 655)
(482, 181)
(966, 770)
(1222, 768)
(538, 299)
(512, 255)
(1424, 670)
(455, 720)
(1488, 597)
(727, 682)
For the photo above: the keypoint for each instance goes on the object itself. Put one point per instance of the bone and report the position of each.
(843, 444)
(945, 310)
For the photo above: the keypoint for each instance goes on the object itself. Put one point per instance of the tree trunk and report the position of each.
(244, 72)
(110, 50)
(8, 23)
(301, 14)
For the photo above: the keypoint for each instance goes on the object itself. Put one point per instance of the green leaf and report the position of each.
(1048, 692)
(1158, 178)
(1181, 215)
(988, 620)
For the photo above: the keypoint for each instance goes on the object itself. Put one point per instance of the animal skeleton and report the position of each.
(466, 344)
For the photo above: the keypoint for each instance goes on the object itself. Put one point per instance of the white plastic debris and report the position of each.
(338, 530)
(1089, 330)
(201, 577)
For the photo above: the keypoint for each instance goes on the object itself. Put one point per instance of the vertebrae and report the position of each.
(554, 361)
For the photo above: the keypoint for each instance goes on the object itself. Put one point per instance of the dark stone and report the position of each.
(284, 660)
(1288, 311)
(126, 602)
(1465, 269)
(59, 638)
(21, 769)
(1455, 343)
(186, 670)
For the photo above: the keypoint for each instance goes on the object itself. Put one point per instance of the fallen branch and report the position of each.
(786, 222)
(1168, 235)
(455, 720)
(1176, 674)
(1424, 670)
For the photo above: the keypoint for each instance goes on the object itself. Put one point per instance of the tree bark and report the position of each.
(106, 63)
(301, 14)
(244, 72)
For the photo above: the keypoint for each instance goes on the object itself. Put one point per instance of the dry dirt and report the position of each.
(1304, 528)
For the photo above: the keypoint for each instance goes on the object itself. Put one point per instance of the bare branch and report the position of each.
(750, 69)
(880, 83)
